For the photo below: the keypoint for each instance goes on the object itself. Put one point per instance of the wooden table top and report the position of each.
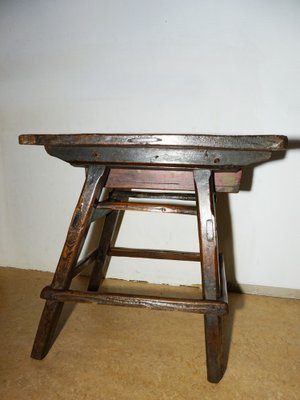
(191, 141)
(218, 152)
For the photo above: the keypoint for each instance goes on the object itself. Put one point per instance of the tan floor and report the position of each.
(106, 352)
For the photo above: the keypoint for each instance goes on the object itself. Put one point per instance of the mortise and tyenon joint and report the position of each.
(179, 167)
(209, 230)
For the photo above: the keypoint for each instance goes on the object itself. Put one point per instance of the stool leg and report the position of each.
(214, 348)
(94, 182)
(210, 270)
(101, 264)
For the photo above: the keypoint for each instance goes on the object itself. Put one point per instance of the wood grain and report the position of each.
(179, 158)
(95, 179)
(123, 195)
(100, 268)
(210, 271)
(149, 207)
(156, 254)
(199, 164)
(199, 141)
(169, 180)
(153, 302)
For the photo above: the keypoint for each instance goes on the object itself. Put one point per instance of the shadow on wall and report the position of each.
(248, 171)
(225, 235)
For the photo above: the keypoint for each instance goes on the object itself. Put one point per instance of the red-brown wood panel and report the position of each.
(169, 180)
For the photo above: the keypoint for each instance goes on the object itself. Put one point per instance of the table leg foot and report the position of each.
(213, 343)
(45, 333)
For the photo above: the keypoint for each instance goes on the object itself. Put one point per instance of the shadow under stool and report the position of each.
(146, 172)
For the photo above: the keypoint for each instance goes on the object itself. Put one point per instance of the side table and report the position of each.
(180, 167)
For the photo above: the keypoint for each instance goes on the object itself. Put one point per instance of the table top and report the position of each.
(191, 141)
(163, 151)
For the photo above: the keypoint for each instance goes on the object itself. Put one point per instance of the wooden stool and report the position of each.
(172, 164)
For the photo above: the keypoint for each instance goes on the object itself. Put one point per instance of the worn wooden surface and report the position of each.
(150, 207)
(154, 157)
(210, 271)
(237, 142)
(124, 195)
(201, 164)
(169, 180)
(163, 150)
(153, 302)
(65, 269)
(100, 268)
(156, 254)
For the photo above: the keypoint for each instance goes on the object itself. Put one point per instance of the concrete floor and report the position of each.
(106, 352)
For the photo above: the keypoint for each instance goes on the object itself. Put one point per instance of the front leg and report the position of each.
(94, 182)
